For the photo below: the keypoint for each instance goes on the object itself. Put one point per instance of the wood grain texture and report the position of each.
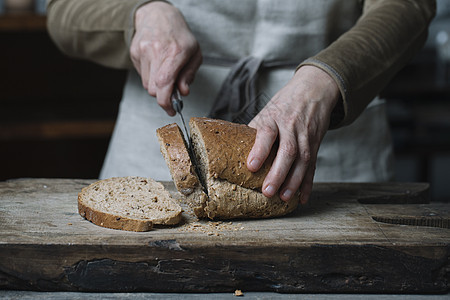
(332, 245)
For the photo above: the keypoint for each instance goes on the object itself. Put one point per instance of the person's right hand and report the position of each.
(164, 52)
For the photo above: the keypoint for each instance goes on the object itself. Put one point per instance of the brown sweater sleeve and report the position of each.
(99, 30)
(364, 59)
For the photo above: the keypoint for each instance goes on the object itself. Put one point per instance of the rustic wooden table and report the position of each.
(353, 237)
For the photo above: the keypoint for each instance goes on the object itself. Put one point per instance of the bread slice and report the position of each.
(128, 203)
(221, 149)
(175, 152)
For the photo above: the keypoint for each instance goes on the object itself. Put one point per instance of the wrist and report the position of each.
(147, 8)
(320, 83)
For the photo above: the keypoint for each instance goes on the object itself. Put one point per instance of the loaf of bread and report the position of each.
(221, 149)
(128, 203)
(174, 150)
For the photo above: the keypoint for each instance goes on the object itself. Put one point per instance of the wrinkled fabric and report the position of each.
(362, 52)
(239, 100)
(237, 97)
(383, 40)
(346, 154)
(134, 147)
(358, 50)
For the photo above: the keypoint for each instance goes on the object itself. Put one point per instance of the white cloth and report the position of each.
(273, 30)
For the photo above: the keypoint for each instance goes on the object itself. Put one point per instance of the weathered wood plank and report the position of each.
(332, 245)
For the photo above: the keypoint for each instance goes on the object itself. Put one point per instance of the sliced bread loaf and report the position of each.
(221, 149)
(128, 203)
(175, 152)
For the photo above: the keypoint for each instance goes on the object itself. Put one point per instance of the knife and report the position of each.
(177, 104)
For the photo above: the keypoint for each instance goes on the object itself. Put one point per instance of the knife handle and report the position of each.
(177, 103)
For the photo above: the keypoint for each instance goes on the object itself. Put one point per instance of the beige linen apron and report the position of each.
(278, 32)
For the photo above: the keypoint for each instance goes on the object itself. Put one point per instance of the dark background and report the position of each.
(57, 113)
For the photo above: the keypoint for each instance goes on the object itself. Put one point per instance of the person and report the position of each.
(305, 74)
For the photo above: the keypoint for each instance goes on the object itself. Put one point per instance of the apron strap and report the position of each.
(236, 100)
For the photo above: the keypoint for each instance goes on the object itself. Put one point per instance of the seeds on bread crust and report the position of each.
(221, 149)
(227, 147)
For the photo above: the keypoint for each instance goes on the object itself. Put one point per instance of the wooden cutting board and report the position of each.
(350, 238)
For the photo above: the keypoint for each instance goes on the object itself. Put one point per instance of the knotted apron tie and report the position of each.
(238, 100)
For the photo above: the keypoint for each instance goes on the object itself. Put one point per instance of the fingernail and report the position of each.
(270, 190)
(287, 194)
(254, 163)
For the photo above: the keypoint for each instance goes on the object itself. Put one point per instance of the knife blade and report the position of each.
(177, 104)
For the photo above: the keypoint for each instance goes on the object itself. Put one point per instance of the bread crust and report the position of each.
(228, 146)
(112, 221)
(233, 192)
(230, 201)
(173, 147)
(90, 199)
(186, 180)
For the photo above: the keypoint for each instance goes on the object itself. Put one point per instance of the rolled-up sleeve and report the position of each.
(99, 31)
(363, 60)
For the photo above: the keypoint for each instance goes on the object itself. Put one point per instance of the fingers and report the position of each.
(265, 138)
(286, 155)
(187, 74)
(296, 174)
(159, 73)
(293, 170)
(164, 52)
(163, 77)
(300, 178)
(289, 166)
(292, 162)
(298, 115)
(163, 97)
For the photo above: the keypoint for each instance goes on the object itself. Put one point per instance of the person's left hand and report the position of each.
(298, 117)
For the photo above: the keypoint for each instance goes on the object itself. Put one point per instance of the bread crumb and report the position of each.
(210, 228)
(69, 224)
(238, 293)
